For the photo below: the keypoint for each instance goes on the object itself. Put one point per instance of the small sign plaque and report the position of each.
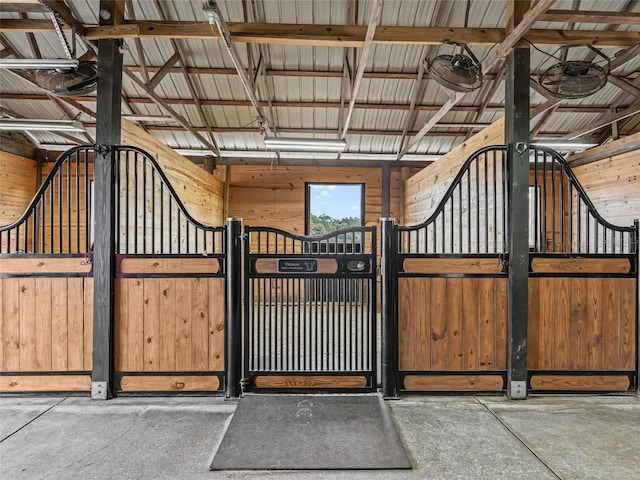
(297, 265)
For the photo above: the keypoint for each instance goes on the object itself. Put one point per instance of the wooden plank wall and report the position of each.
(582, 323)
(169, 324)
(613, 185)
(201, 192)
(275, 196)
(452, 323)
(17, 186)
(424, 190)
(46, 325)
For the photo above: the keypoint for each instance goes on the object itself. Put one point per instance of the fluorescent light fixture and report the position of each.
(41, 125)
(35, 63)
(305, 144)
(562, 144)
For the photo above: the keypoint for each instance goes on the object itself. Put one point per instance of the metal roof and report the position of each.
(307, 84)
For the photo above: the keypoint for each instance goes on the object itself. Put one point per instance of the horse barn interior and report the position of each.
(157, 190)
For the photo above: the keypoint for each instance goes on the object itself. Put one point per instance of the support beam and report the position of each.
(608, 119)
(179, 118)
(611, 149)
(362, 63)
(575, 16)
(108, 135)
(157, 78)
(517, 137)
(333, 35)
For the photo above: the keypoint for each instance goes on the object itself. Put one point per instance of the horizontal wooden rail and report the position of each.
(581, 265)
(452, 265)
(45, 383)
(314, 381)
(170, 383)
(201, 265)
(580, 382)
(40, 265)
(453, 382)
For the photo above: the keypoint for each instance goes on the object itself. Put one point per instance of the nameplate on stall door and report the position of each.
(297, 265)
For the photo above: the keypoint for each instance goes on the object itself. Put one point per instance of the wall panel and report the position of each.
(462, 328)
(169, 324)
(582, 323)
(17, 186)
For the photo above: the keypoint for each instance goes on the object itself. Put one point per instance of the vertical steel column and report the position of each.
(386, 190)
(233, 272)
(517, 136)
(107, 135)
(636, 241)
(389, 289)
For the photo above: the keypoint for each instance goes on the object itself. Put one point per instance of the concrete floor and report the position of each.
(446, 438)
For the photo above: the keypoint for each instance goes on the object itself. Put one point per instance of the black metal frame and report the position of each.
(135, 170)
(442, 236)
(291, 337)
(43, 208)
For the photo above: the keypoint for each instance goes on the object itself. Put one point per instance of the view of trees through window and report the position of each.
(331, 207)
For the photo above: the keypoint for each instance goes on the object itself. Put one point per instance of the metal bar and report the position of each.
(562, 211)
(127, 195)
(543, 228)
(135, 202)
(477, 164)
(69, 248)
(77, 201)
(579, 217)
(389, 308)
(495, 203)
(51, 204)
(59, 212)
(233, 264)
(144, 205)
(486, 205)
(469, 210)
(553, 204)
(153, 211)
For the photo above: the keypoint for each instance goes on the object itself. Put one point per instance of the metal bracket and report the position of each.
(518, 390)
(102, 148)
(522, 147)
(98, 390)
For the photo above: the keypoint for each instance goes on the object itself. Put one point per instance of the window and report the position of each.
(332, 206)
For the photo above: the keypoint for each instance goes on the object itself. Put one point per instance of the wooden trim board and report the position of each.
(313, 381)
(204, 265)
(580, 265)
(44, 265)
(170, 383)
(452, 265)
(45, 383)
(453, 382)
(580, 382)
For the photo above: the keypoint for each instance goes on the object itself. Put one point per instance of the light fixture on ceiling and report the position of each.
(39, 63)
(563, 144)
(41, 125)
(305, 144)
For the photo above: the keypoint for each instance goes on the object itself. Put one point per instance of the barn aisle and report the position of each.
(482, 437)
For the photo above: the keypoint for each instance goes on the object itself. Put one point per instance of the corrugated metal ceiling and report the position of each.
(291, 91)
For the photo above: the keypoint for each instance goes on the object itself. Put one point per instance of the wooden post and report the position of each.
(107, 135)
(209, 163)
(517, 137)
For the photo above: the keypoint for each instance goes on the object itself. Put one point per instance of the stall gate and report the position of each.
(450, 278)
(310, 310)
(169, 286)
